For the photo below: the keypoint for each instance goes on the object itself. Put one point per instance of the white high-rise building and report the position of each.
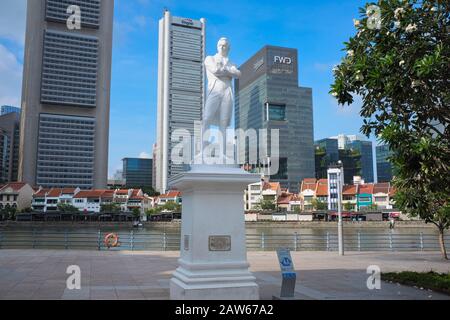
(180, 88)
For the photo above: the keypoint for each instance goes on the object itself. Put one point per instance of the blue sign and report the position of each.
(285, 260)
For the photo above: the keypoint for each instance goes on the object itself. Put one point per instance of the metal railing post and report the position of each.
(99, 235)
(359, 241)
(421, 241)
(390, 241)
(263, 245)
(34, 238)
(295, 241)
(164, 242)
(132, 240)
(328, 240)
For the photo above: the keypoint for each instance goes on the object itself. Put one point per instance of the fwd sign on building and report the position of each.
(282, 60)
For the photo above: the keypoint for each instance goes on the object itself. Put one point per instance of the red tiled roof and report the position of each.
(381, 188)
(122, 191)
(322, 187)
(16, 186)
(284, 199)
(392, 191)
(349, 189)
(308, 184)
(135, 193)
(271, 185)
(108, 194)
(365, 188)
(41, 193)
(171, 194)
(68, 190)
(89, 194)
(54, 193)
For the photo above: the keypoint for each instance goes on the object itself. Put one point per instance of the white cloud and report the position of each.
(12, 20)
(141, 21)
(10, 78)
(144, 155)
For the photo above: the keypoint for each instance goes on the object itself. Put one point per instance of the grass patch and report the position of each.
(428, 280)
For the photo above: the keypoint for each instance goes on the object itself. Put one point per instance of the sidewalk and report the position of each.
(41, 274)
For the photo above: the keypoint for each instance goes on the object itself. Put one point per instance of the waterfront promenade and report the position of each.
(41, 274)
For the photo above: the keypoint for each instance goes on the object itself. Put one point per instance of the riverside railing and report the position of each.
(139, 241)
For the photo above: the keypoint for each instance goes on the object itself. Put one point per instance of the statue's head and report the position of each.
(223, 47)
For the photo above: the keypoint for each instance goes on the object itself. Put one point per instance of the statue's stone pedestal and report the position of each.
(213, 254)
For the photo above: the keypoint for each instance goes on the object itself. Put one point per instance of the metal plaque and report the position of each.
(219, 243)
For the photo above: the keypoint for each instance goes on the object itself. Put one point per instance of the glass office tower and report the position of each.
(384, 166)
(137, 172)
(268, 97)
(66, 95)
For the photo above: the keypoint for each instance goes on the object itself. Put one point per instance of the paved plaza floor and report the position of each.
(41, 274)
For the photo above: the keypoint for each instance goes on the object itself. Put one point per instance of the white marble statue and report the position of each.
(219, 99)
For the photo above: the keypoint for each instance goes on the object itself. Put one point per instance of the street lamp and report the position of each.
(335, 182)
(340, 223)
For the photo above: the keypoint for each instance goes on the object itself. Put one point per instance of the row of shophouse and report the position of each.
(358, 199)
(22, 196)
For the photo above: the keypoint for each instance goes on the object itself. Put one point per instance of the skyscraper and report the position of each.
(268, 97)
(364, 147)
(180, 88)
(9, 146)
(137, 172)
(384, 166)
(66, 94)
(327, 153)
(8, 109)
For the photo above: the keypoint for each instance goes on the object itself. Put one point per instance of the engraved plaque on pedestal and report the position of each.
(219, 243)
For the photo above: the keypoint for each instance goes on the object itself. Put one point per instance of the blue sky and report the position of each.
(316, 29)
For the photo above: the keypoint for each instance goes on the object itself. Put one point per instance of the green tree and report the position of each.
(110, 207)
(171, 206)
(153, 211)
(349, 206)
(266, 204)
(136, 212)
(65, 207)
(319, 205)
(398, 64)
